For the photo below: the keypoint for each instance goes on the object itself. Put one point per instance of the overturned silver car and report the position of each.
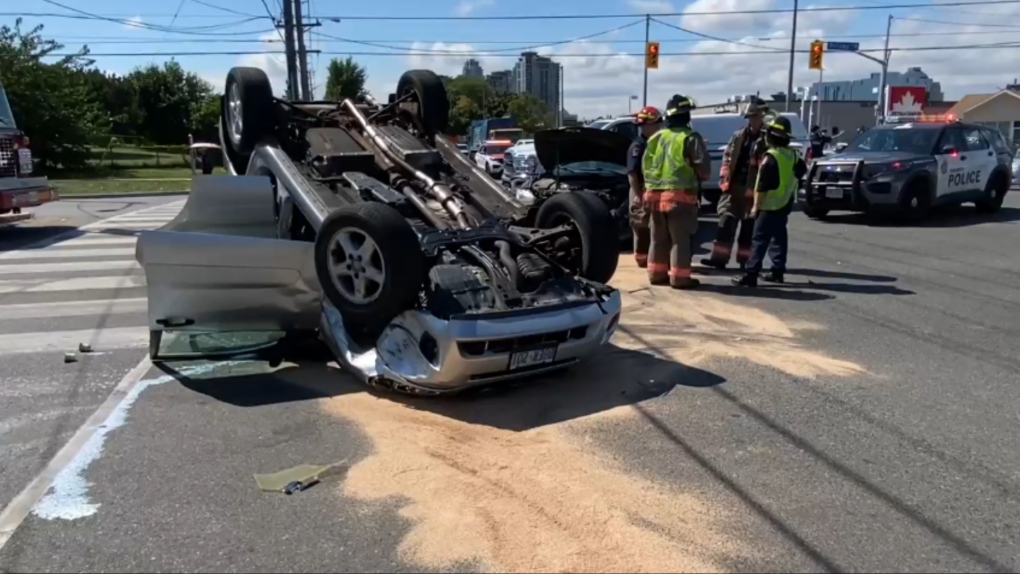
(360, 224)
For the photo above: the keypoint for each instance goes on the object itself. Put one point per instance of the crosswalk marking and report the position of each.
(100, 340)
(75, 308)
(73, 285)
(57, 253)
(25, 268)
(50, 290)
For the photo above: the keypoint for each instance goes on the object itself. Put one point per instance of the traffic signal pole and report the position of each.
(793, 52)
(880, 112)
(648, 24)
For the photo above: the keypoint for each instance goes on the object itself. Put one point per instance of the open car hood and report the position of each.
(572, 145)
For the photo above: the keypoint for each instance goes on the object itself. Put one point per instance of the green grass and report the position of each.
(134, 156)
(140, 180)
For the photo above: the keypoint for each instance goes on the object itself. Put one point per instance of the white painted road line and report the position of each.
(108, 339)
(99, 240)
(25, 268)
(73, 285)
(74, 308)
(56, 253)
(135, 224)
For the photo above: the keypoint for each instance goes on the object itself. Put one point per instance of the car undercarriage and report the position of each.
(433, 277)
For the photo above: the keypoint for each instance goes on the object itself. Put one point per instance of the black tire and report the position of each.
(596, 228)
(256, 97)
(433, 103)
(401, 260)
(995, 192)
(915, 201)
(815, 212)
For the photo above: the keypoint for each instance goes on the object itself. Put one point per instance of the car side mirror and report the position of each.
(950, 149)
(835, 131)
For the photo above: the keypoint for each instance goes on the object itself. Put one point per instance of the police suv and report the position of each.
(909, 168)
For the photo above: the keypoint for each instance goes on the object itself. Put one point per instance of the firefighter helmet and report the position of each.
(679, 105)
(780, 129)
(648, 115)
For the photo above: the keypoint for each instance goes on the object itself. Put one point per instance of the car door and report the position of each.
(953, 159)
(981, 160)
(219, 281)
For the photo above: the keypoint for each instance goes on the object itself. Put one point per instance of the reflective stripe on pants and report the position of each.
(669, 257)
(732, 209)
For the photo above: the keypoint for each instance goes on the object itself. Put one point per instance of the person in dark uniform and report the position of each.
(774, 190)
(650, 120)
(737, 175)
(819, 140)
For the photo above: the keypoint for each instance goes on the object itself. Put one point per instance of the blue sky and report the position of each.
(597, 81)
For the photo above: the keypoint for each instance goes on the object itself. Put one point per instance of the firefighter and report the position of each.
(675, 163)
(650, 121)
(737, 175)
(773, 192)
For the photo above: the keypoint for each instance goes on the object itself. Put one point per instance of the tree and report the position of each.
(206, 119)
(52, 103)
(345, 79)
(530, 113)
(165, 102)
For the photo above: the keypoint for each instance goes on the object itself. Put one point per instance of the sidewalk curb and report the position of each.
(118, 195)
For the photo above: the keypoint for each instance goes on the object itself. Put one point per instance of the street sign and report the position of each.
(842, 46)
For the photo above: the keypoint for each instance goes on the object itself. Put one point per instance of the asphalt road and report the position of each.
(862, 417)
(66, 277)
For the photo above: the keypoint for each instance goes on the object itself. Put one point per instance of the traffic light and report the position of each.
(815, 59)
(652, 55)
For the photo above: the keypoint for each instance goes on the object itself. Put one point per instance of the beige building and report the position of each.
(1000, 110)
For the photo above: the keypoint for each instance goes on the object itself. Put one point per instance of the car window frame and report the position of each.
(939, 145)
(981, 138)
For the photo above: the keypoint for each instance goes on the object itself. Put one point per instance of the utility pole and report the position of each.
(880, 109)
(648, 24)
(793, 52)
(302, 54)
(288, 40)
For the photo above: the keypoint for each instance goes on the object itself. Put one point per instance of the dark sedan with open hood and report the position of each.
(582, 160)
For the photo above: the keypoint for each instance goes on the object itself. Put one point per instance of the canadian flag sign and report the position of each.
(905, 101)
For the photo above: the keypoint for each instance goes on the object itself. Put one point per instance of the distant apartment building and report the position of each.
(540, 77)
(866, 89)
(501, 82)
(473, 69)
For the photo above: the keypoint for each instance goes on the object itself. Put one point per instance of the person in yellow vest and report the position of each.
(777, 181)
(675, 163)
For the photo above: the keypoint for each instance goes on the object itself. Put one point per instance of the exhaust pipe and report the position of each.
(442, 193)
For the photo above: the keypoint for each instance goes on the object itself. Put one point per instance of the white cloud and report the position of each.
(598, 78)
(466, 7)
(134, 23)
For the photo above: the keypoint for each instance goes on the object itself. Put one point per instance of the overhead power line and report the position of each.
(101, 40)
(996, 45)
(522, 48)
(849, 8)
(339, 17)
(958, 23)
(135, 23)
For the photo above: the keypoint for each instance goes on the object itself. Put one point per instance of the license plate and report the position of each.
(532, 357)
(834, 193)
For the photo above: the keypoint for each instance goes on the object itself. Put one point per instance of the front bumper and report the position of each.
(472, 352)
(844, 187)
